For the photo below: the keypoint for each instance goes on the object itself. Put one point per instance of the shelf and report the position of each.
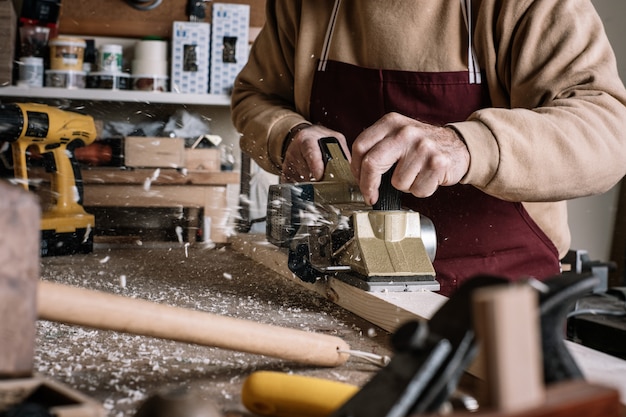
(93, 94)
(166, 176)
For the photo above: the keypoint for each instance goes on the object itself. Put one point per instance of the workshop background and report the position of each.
(596, 222)
(119, 370)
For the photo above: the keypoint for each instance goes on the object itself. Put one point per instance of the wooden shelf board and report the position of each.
(165, 176)
(92, 94)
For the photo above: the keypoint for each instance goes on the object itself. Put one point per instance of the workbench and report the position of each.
(196, 191)
(120, 371)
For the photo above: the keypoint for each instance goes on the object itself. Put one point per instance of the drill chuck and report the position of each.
(11, 122)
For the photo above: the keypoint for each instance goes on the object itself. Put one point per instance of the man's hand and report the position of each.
(303, 158)
(427, 156)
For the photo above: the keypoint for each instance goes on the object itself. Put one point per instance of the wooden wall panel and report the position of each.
(117, 19)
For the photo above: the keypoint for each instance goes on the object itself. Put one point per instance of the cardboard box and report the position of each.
(230, 24)
(190, 57)
(8, 33)
(204, 159)
(154, 152)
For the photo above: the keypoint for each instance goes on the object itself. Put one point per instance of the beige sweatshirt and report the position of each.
(557, 126)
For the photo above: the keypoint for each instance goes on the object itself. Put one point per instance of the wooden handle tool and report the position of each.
(276, 394)
(71, 305)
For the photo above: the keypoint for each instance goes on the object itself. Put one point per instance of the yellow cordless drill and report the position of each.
(65, 226)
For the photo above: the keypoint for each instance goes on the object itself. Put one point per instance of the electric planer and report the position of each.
(330, 231)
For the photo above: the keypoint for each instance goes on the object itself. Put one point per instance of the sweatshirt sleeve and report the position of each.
(263, 109)
(557, 126)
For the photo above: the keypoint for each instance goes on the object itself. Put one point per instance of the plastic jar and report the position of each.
(67, 53)
(108, 80)
(65, 79)
(31, 71)
(150, 82)
(111, 58)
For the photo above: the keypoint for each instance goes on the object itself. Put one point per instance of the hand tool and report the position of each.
(278, 394)
(72, 305)
(331, 232)
(65, 226)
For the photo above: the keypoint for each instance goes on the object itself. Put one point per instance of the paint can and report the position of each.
(67, 54)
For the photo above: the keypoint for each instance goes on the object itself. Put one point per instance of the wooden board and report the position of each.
(117, 19)
(568, 399)
(387, 310)
(112, 176)
(19, 274)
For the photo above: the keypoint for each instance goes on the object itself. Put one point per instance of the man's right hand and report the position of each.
(303, 158)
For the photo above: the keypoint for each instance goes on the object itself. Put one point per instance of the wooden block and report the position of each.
(20, 216)
(567, 399)
(506, 321)
(154, 152)
(206, 159)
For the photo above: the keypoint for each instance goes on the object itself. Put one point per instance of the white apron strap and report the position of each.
(475, 76)
(329, 34)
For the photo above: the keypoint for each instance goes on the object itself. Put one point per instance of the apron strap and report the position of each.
(329, 35)
(475, 76)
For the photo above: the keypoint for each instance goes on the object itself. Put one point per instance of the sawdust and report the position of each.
(121, 370)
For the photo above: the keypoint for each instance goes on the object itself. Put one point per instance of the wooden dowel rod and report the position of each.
(78, 306)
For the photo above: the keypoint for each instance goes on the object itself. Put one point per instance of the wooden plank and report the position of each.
(161, 187)
(600, 368)
(567, 399)
(211, 198)
(161, 177)
(390, 310)
(19, 273)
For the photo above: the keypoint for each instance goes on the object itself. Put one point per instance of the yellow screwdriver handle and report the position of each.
(278, 394)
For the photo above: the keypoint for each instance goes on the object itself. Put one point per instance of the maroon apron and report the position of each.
(476, 233)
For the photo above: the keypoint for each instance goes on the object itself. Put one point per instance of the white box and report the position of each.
(230, 24)
(190, 57)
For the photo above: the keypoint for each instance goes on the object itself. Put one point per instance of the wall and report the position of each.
(592, 218)
(117, 18)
